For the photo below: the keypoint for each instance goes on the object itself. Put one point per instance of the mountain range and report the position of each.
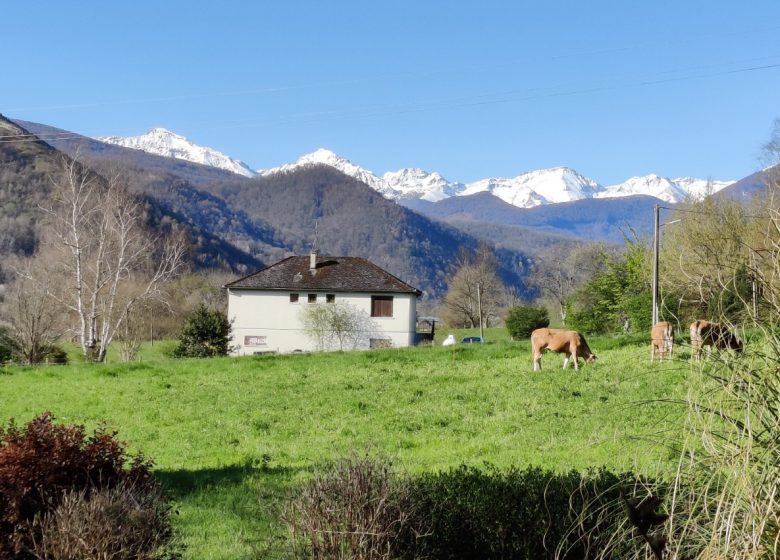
(411, 222)
(264, 218)
(526, 190)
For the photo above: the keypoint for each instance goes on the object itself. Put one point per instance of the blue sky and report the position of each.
(469, 89)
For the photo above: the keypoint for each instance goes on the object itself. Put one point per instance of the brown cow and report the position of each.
(571, 343)
(706, 333)
(661, 340)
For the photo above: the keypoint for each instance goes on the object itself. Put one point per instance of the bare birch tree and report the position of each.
(108, 260)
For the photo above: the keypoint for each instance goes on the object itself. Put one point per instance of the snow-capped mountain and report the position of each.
(163, 142)
(417, 183)
(701, 187)
(327, 157)
(669, 190)
(544, 186)
(653, 185)
(533, 188)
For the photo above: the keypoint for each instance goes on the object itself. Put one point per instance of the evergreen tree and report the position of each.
(206, 333)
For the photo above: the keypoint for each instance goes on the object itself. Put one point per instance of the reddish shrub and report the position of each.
(42, 461)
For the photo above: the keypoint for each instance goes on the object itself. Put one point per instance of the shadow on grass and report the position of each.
(183, 482)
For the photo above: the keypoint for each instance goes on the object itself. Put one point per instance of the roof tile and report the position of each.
(338, 274)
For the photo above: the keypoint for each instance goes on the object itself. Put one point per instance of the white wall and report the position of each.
(269, 314)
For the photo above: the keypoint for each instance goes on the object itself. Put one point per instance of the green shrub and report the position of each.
(361, 509)
(8, 346)
(55, 355)
(530, 514)
(523, 319)
(206, 333)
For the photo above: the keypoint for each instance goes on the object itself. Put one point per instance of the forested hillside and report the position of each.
(270, 217)
(603, 219)
(27, 168)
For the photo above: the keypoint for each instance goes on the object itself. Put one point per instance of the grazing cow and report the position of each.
(705, 333)
(661, 340)
(571, 343)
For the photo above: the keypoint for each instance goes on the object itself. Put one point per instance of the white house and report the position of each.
(267, 307)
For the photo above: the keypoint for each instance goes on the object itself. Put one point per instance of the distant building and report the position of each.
(266, 307)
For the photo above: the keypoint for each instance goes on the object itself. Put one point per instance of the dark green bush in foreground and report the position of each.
(523, 319)
(359, 509)
(532, 514)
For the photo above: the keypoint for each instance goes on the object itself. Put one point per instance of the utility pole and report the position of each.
(656, 235)
(656, 228)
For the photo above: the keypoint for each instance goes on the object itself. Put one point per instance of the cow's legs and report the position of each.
(566, 361)
(537, 361)
(576, 360)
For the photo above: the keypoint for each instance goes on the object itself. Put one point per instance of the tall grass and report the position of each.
(726, 492)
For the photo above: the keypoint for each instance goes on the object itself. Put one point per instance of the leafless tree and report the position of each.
(339, 326)
(107, 258)
(475, 281)
(560, 271)
(35, 323)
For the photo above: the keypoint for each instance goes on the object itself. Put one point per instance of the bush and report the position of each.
(129, 522)
(523, 319)
(8, 346)
(205, 333)
(362, 510)
(55, 355)
(42, 462)
(353, 511)
(530, 514)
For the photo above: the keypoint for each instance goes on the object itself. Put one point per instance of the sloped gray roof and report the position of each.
(337, 274)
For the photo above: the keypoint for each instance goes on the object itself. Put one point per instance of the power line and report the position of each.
(706, 213)
(469, 101)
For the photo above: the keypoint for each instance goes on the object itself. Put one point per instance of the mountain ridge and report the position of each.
(528, 189)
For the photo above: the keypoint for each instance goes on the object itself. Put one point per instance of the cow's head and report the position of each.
(591, 358)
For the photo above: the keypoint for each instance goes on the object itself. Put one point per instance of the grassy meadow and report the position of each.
(230, 436)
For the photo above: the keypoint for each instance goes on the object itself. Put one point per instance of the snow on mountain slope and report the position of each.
(327, 157)
(420, 184)
(701, 187)
(669, 190)
(162, 142)
(653, 185)
(543, 186)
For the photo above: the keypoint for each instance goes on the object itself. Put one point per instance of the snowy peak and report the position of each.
(699, 188)
(332, 159)
(653, 185)
(668, 190)
(417, 183)
(543, 186)
(162, 142)
(533, 188)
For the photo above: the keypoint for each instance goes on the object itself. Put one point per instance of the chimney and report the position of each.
(313, 261)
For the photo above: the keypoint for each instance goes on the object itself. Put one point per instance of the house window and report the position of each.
(330, 298)
(293, 298)
(381, 306)
(312, 298)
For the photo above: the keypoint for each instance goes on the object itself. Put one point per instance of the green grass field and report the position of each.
(231, 436)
